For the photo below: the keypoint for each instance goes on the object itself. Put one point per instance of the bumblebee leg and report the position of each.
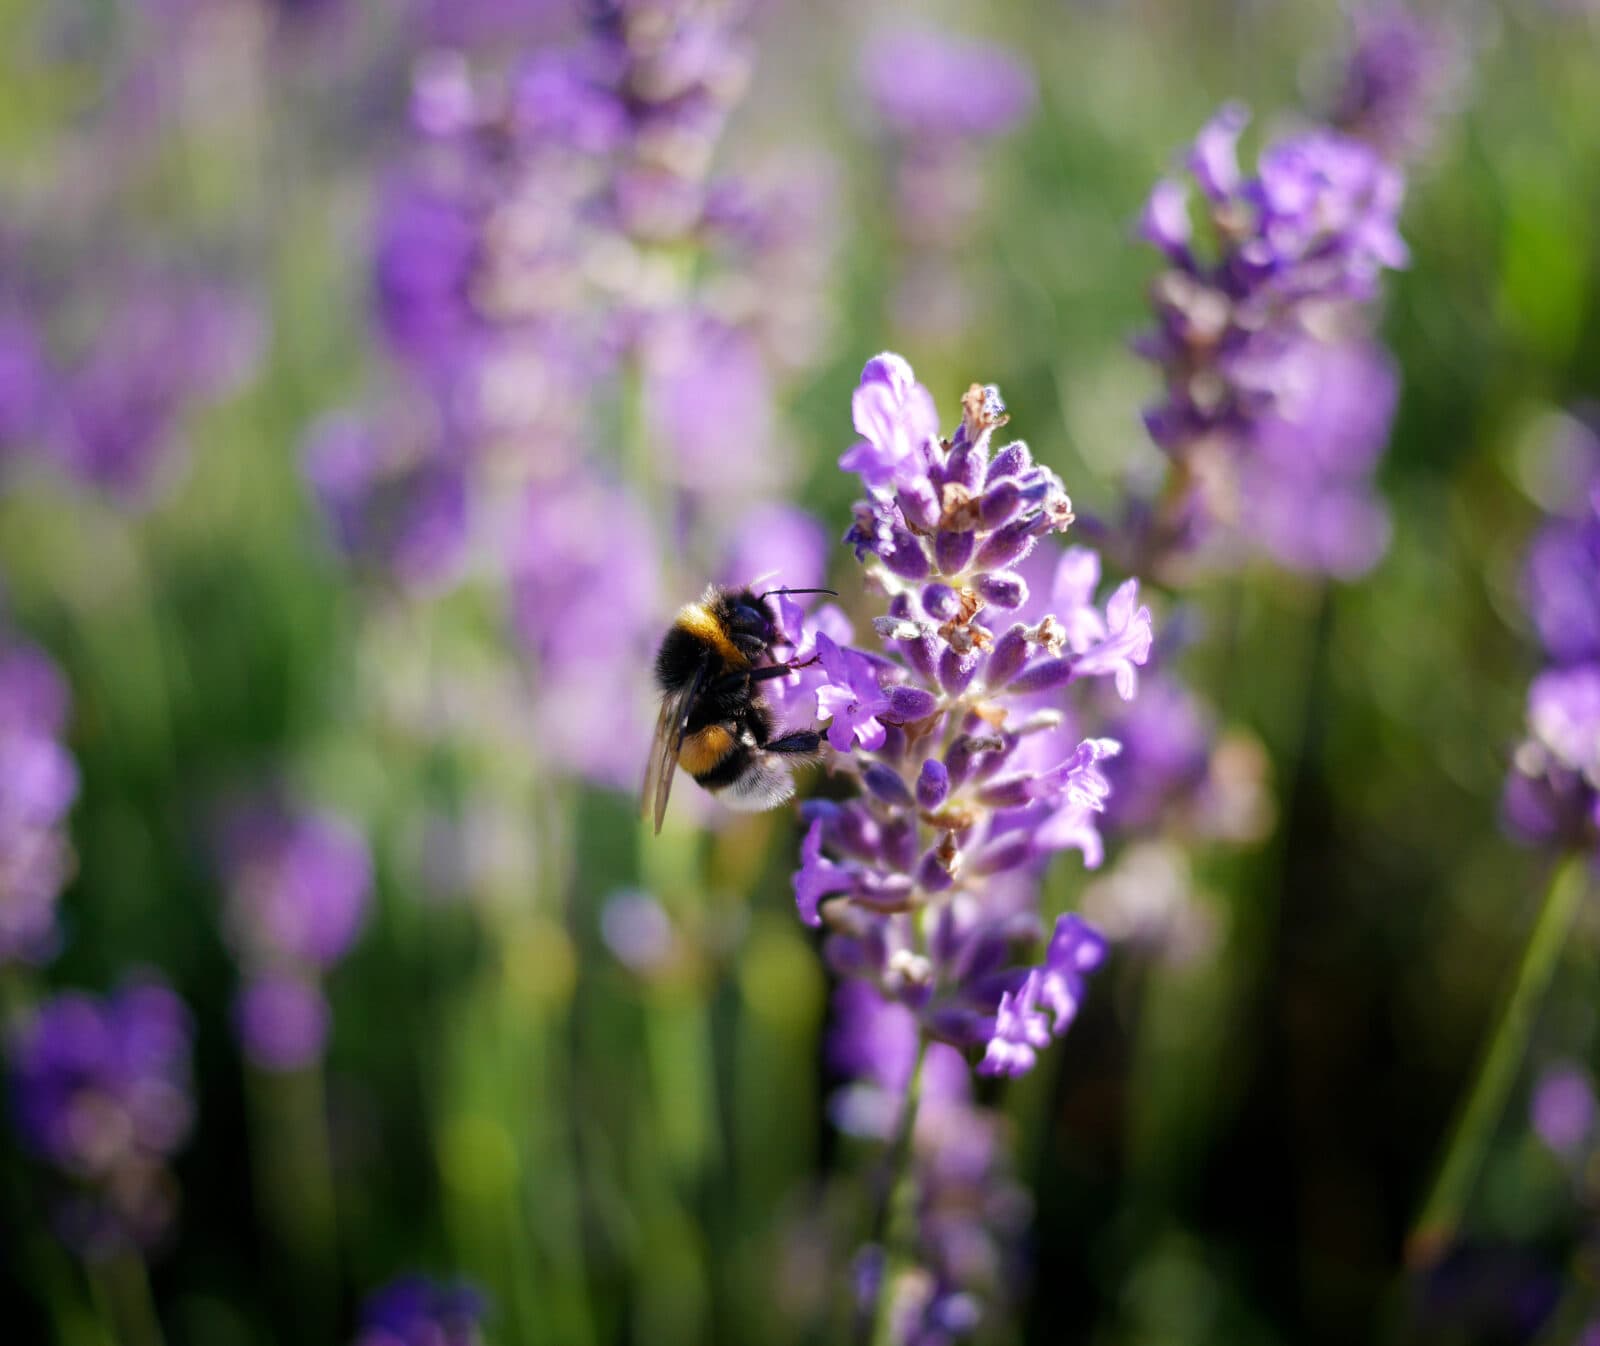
(802, 744)
(773, 671)
(731, 682)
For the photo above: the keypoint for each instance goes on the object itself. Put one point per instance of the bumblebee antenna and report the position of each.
(831, 592)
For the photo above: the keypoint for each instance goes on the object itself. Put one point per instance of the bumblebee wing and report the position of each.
(663, 761)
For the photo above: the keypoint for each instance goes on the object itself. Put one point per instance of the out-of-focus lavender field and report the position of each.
(1187, 926)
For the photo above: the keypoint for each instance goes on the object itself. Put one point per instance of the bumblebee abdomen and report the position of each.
(704, 750)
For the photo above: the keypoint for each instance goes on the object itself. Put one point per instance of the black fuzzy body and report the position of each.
(715, 652)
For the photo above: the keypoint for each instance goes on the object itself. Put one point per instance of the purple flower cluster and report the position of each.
(414, 1311)
(969, 1212)
(958, 731)
(940, 99)
(111, 413)
(1552, 795)
(536, 245)
(298, 888)
(1275, 407)
(101, 1091)
(392, 504)
(557, 267)
(38, 782)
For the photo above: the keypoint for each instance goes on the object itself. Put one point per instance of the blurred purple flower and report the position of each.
(777, 545)
(941, 99)
(101, 1089)
(1559, 583)
(404, 515)
(282, 1022)
(585, 602)
(1306, 492)
(1398, 79)
(38, 783)
(1564, 1109)
(926, 83)
(1276, 427)
(638, 931)
(1564, 715)
(159, 352)
(970, 1214)
(26, 381)
(415, 1311)
(1552, 795)
(299, 883)
(425, 248)
(711, 406)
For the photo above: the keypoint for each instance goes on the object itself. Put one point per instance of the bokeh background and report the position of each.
(352, 595)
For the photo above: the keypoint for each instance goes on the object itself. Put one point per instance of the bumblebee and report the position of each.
(713, 721)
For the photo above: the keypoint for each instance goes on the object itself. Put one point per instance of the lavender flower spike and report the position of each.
(38, 782)
(102, 1093)
(1274, 428)
(1552, 795)
(298, 887)
(928, 878)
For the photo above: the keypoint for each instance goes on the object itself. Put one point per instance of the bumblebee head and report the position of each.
(751, 623)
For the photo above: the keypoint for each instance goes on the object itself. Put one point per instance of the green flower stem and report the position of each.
(121, 1289)
(294, 1182)
(900, 1218)
(1480, 1112)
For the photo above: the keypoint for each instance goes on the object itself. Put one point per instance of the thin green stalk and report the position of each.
(294, 1178)
(1484, 1104)
(900, 1218)
(121, 1288)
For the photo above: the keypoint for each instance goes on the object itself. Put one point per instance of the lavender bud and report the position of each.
(955, 672)
(940, 602)
(934, 874)
(1010, 792)
(933, 784)
(923, 656)
(952, 551)
(999, 504)
(1044, 676)
(1009, 655)
(1007, 546)
(911, 703)
(906, 557)
(1003, 589)
(886, 785)
(1012, 461)
(919, 502)
(965, 752)
(915, 639)
(1011, 851)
